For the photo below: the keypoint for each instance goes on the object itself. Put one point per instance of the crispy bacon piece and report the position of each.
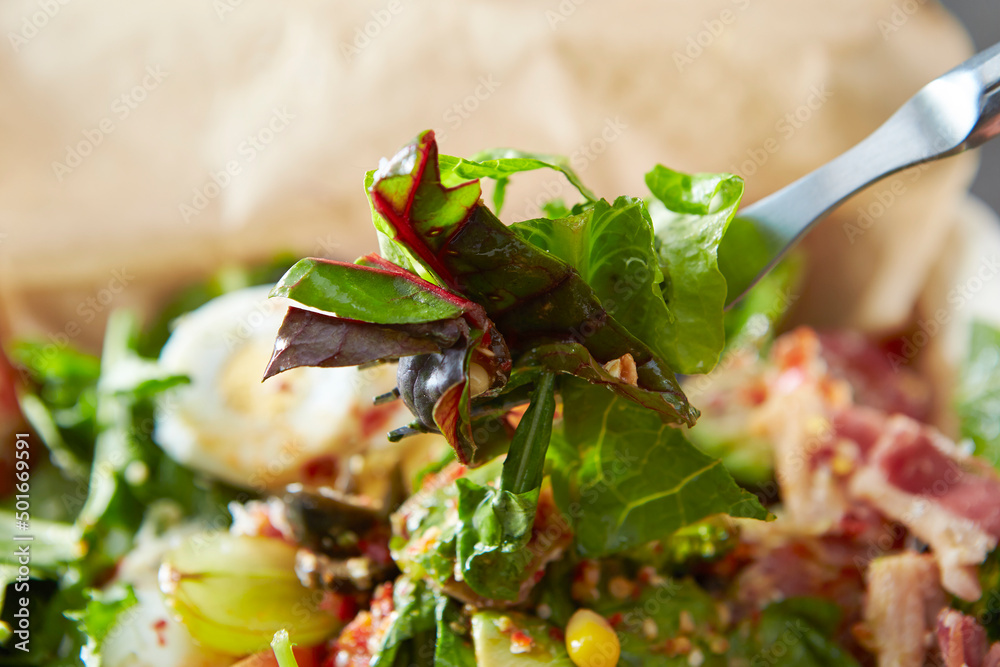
(901, 608)
(963, 642)
(874, 381)
(948, 499)
(833, 455)
(362, 637)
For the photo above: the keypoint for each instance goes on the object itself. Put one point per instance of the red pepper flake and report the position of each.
(616, 619)
(520, 642)
(320, 469)
(160, 628)
(343, 607)
(557, 634)
(374, 419)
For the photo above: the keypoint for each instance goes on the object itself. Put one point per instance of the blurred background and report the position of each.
(146, 144)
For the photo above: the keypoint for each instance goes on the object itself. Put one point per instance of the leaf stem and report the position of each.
(522, 471)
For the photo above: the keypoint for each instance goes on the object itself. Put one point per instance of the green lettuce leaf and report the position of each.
(612, 248)
(690, 217)
(627, 479)
(531, 296)
(499, 164)
(978, 395)
(755, 319)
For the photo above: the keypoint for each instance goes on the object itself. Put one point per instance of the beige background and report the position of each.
(698, 86)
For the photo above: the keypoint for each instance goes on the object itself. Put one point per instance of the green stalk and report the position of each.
(522, 471)
(282, 648)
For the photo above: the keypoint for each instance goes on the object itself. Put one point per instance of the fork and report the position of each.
(953, 113)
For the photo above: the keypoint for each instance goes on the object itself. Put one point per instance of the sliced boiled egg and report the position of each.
(301, 425)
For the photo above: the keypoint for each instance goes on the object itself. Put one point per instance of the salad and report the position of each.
(589, 460)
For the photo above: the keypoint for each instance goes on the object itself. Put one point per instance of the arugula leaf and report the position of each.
(375, 294)
(690, 219)
(628, 479)
(415, 606)
(978, 395)
(499, 164)
(424, 629)
(450, 648)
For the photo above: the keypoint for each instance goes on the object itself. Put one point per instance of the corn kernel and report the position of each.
(590, 641)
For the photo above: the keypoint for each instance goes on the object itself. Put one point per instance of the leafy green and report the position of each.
(424, 629)
(611, 247)
(755, 319)
(103, 608)
(306, 338)
(452, 649)
(978, 395)
(574, 359)
(108, 431)
(626, 479)
(499, 164)
(646, 621)
(986, 609)
(695, 213)
(367, 293)
(798, 632)
(415, 605)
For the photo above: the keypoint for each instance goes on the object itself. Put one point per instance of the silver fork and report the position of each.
(953, 113)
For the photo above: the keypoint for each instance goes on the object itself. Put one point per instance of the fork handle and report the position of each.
(956, 112)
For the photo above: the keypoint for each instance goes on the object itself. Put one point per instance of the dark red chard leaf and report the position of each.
(532, 297)
(313, 339)
(438, 388)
